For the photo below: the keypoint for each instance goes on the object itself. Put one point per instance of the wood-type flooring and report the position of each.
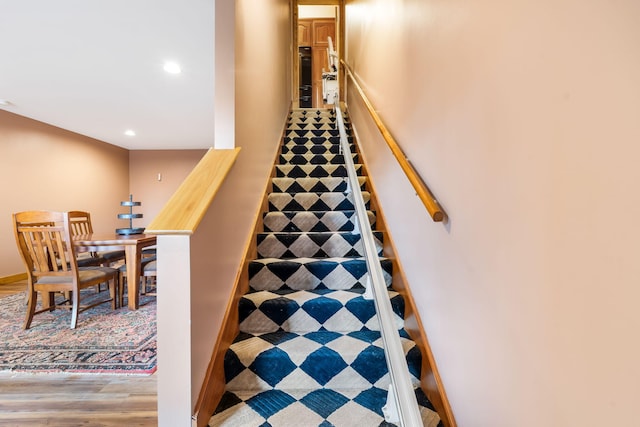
(75, 399)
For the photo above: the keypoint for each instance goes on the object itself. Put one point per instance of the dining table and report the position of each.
(132, 245)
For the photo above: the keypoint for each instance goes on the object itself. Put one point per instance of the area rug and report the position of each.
(104, 341)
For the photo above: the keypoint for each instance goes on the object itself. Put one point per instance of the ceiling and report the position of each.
(96, 68)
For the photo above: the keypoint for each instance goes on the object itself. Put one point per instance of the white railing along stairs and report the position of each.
(401, 407)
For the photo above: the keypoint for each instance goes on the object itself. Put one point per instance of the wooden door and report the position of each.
(321, 29)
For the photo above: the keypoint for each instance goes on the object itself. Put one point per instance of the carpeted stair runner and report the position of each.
(309, 351)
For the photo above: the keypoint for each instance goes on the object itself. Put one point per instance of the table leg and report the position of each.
(132, 258)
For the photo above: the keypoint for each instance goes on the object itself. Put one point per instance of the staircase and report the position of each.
(309, 351)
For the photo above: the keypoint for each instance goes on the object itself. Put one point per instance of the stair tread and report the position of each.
(288, 360)
(306, 311)
(311, 407)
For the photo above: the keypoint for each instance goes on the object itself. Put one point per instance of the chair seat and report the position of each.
(149, 272)
(112, 256)
(149, 251)
(47, 248)
(143, 264)
(150, 269)
(85, 274)
(91, 261)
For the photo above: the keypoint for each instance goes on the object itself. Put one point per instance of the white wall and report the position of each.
(316, 12)
(523, 119)
(224, 78)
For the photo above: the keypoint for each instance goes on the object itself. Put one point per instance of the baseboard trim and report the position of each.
(7, 280)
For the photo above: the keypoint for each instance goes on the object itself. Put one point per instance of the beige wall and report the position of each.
(523, 118)
(144, 167)
(263, 41)
(47, 168)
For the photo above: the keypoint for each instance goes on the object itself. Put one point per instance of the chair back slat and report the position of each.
(45, 243)
(46, 246)
(80, 223)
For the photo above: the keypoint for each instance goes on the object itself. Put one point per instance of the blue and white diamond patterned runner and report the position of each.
(270, 274)
(310, 408)
(317, 202)
(313, 185)
(308, 311)
(309, 351)
(301, 221)
(313, 244)
(319, 359)
(314, 171)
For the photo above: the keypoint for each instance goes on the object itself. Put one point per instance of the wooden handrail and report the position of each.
(433, 207)
(187, 206)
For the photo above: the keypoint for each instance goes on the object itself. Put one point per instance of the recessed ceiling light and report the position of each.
(129, 132)
(172, 67)
(4, 102)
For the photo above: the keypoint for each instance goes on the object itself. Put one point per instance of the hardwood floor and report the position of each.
(12, 288)
(69, 400)
(77, 400)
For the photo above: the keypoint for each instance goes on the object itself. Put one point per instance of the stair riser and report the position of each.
(322, 115)
(312, 221)
(310, 133)
(314, 202)
(313, 149)
(272, 275)
(312, 139)
(303, 312)
(314, 159)
(313, 245)
(312, 185)
(313, 171)
(315, 127)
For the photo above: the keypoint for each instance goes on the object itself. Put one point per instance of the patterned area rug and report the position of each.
(104, 341)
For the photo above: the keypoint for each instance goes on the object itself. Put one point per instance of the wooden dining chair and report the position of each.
(81, 224)
(147, 271)
(45, 243)
(149, 277)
